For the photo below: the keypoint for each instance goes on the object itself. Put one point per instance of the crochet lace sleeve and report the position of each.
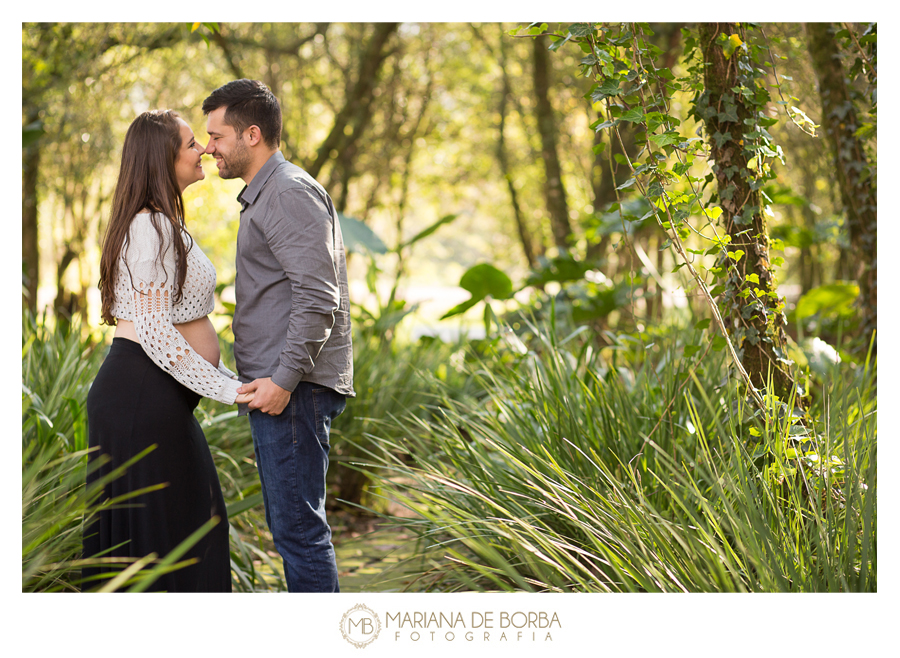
(153, 289)
(225, 371)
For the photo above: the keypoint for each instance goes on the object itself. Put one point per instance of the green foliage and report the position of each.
(555, 478)
(484, 282)
(392, 379)
(730, 100)
(57, 367)
(832, 300)
(446, 219)
(360, 238)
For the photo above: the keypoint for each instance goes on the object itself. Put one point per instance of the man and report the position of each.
(291, 324)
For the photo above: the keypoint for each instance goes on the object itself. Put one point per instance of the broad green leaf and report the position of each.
(561, 269)
(832, 300)
(736, 255)
(359, 238)
(633, 115)
(484, 279)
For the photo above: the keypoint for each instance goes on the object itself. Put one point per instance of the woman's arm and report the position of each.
(152, 293)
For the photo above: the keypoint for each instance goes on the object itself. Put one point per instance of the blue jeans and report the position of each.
(292, 458)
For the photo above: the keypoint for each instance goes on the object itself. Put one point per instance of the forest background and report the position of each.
(580, 382)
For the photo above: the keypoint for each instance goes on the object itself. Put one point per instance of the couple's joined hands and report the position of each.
(265, 395)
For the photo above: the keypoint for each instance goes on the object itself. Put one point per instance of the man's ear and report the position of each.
(254, 135)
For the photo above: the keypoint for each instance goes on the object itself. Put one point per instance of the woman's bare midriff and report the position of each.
(199, 334)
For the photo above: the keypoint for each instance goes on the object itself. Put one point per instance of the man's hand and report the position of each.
(268, 397)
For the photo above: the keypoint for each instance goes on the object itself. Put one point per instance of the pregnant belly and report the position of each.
(199, 334)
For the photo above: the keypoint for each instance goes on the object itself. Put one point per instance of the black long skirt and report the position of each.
(134, 404)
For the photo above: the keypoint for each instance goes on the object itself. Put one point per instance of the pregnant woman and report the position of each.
(157, 289)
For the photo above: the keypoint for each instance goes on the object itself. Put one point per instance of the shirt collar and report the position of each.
(250, 192)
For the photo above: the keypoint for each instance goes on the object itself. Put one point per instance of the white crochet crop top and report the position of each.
(144, 290)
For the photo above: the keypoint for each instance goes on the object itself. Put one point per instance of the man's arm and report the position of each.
(300, 232)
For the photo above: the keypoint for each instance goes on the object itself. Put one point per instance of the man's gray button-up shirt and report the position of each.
(292, 315)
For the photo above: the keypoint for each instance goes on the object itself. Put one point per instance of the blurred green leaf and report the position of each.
(835, 299)
(446, 219)
(359, 238)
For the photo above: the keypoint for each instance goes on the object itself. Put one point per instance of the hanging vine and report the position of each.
(724, 210)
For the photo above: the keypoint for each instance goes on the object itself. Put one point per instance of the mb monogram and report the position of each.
(360, 626)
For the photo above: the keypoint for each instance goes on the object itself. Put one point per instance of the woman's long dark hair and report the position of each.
(147, 180)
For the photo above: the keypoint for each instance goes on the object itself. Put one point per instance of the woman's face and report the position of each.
(188, 169)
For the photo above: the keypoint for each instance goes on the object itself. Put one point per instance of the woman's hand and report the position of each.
(243, 398)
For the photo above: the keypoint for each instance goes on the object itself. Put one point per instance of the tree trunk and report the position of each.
(31, 160)
(856, 184)
(525, 237)
(358, 106)
(290, 150)
(757, 320)
(554, 191)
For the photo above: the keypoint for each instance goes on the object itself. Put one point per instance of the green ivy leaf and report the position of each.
(609, 87)
(603, 126)
(665, 139)
(582, 30)
(634, 115)
(730, 114)
(721, 138)
(732, 44)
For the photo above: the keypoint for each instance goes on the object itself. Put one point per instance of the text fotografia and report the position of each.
(479, 626)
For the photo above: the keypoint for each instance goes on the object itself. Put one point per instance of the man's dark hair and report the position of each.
(248, 103)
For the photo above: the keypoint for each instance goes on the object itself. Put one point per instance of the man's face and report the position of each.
(228, 147)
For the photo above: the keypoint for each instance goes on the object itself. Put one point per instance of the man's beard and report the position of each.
(237, 163)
